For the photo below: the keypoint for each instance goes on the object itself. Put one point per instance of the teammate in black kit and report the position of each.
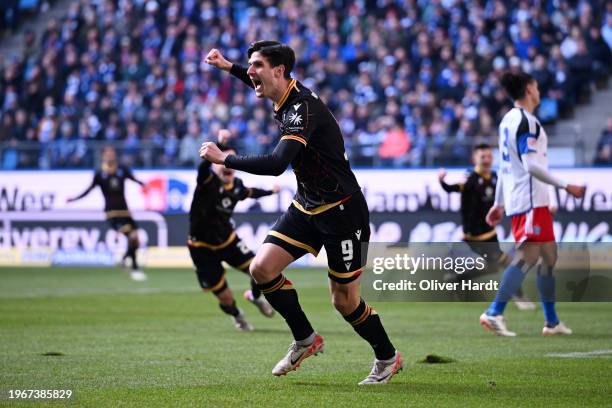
(477, 196)
(212, 238)
(328, 209)
(111, 180)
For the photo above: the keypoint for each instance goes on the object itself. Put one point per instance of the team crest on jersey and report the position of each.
(295, 118)
(531, 141)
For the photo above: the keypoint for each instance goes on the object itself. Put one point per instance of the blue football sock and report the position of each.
(511, 281)
(546, 287)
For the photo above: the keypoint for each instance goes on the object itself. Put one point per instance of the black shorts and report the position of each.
(207, 260)
(488, 249)
(125, 225)
(344, 231)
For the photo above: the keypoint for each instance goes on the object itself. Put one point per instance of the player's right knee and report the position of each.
(344, 304)
(262, 272)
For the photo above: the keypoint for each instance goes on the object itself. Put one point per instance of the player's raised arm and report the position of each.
(449, 188)
(273, 164)
(205, 173)
(130, 175)
(84, 193)
(217, 60)
(253, 192)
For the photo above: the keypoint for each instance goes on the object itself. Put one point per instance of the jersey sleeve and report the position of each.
(527, 136)
(451, 188)
(272, 164)
(243, 192)
(298, 122)
(130, 175)
(95, 182)
(205, 174)
(259, 192)
(240, 72)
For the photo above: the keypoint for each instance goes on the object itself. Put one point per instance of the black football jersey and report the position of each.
(477, 197)
(113, 187)
(322, 168)
(213, 205)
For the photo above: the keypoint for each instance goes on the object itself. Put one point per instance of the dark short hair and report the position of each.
(276, 53)
(481, 146)
(515, 84)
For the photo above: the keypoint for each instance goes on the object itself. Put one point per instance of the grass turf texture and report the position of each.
(163, 343)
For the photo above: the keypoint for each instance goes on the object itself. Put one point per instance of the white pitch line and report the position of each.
(581, 354)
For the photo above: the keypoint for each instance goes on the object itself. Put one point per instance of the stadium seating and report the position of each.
(131, 73)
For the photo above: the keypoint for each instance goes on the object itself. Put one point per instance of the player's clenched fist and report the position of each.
(212, 153)
(216, 59)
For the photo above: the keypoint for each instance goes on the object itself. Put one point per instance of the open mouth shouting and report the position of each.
(258, 85)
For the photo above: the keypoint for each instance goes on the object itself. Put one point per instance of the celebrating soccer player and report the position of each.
(523, 193)
(212, 238)
(111, 179)
(328, 209)
(477, 194)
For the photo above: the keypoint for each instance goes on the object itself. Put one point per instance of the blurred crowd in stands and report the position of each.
(603, 153)
(14, 12)
(411, 82)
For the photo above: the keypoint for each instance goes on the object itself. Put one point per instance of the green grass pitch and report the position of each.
(163, 343)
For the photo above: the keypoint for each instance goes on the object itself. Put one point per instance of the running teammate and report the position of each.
(111, 180)
(212, 238)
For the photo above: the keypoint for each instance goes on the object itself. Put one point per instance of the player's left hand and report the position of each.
(495, 215)
(211, 152)
(441, 174)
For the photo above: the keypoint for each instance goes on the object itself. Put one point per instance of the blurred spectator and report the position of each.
(12, 12)
(396, 143)
(603, 154)
(190, 146)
